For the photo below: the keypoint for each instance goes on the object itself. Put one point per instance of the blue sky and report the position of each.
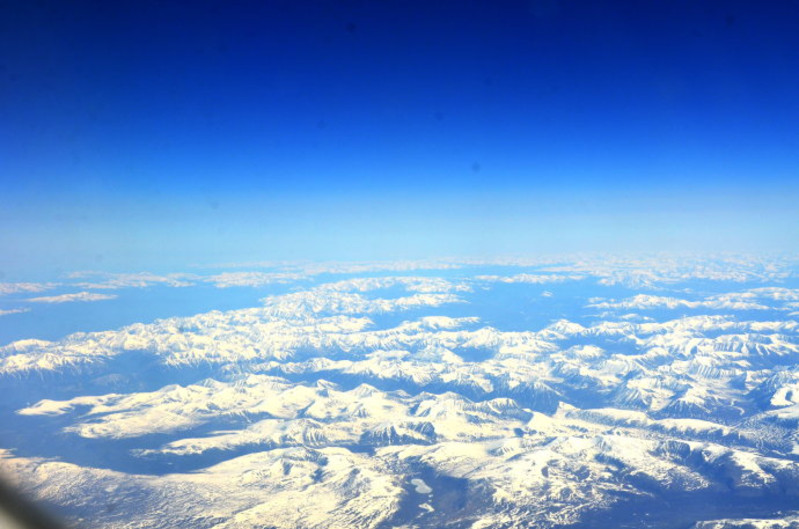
(138, 135)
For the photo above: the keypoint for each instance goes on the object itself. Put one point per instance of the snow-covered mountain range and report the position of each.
(584, 393)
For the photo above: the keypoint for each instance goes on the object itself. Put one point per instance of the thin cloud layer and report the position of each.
(74, 297)
(13, 311)
(106, 281)
(16, 288)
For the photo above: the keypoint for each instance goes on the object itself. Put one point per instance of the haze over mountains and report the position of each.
(588, 392)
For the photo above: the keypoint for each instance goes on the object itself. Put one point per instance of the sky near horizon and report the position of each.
(136, 135)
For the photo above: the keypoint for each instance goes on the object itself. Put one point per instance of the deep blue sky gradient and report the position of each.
(144, 134)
